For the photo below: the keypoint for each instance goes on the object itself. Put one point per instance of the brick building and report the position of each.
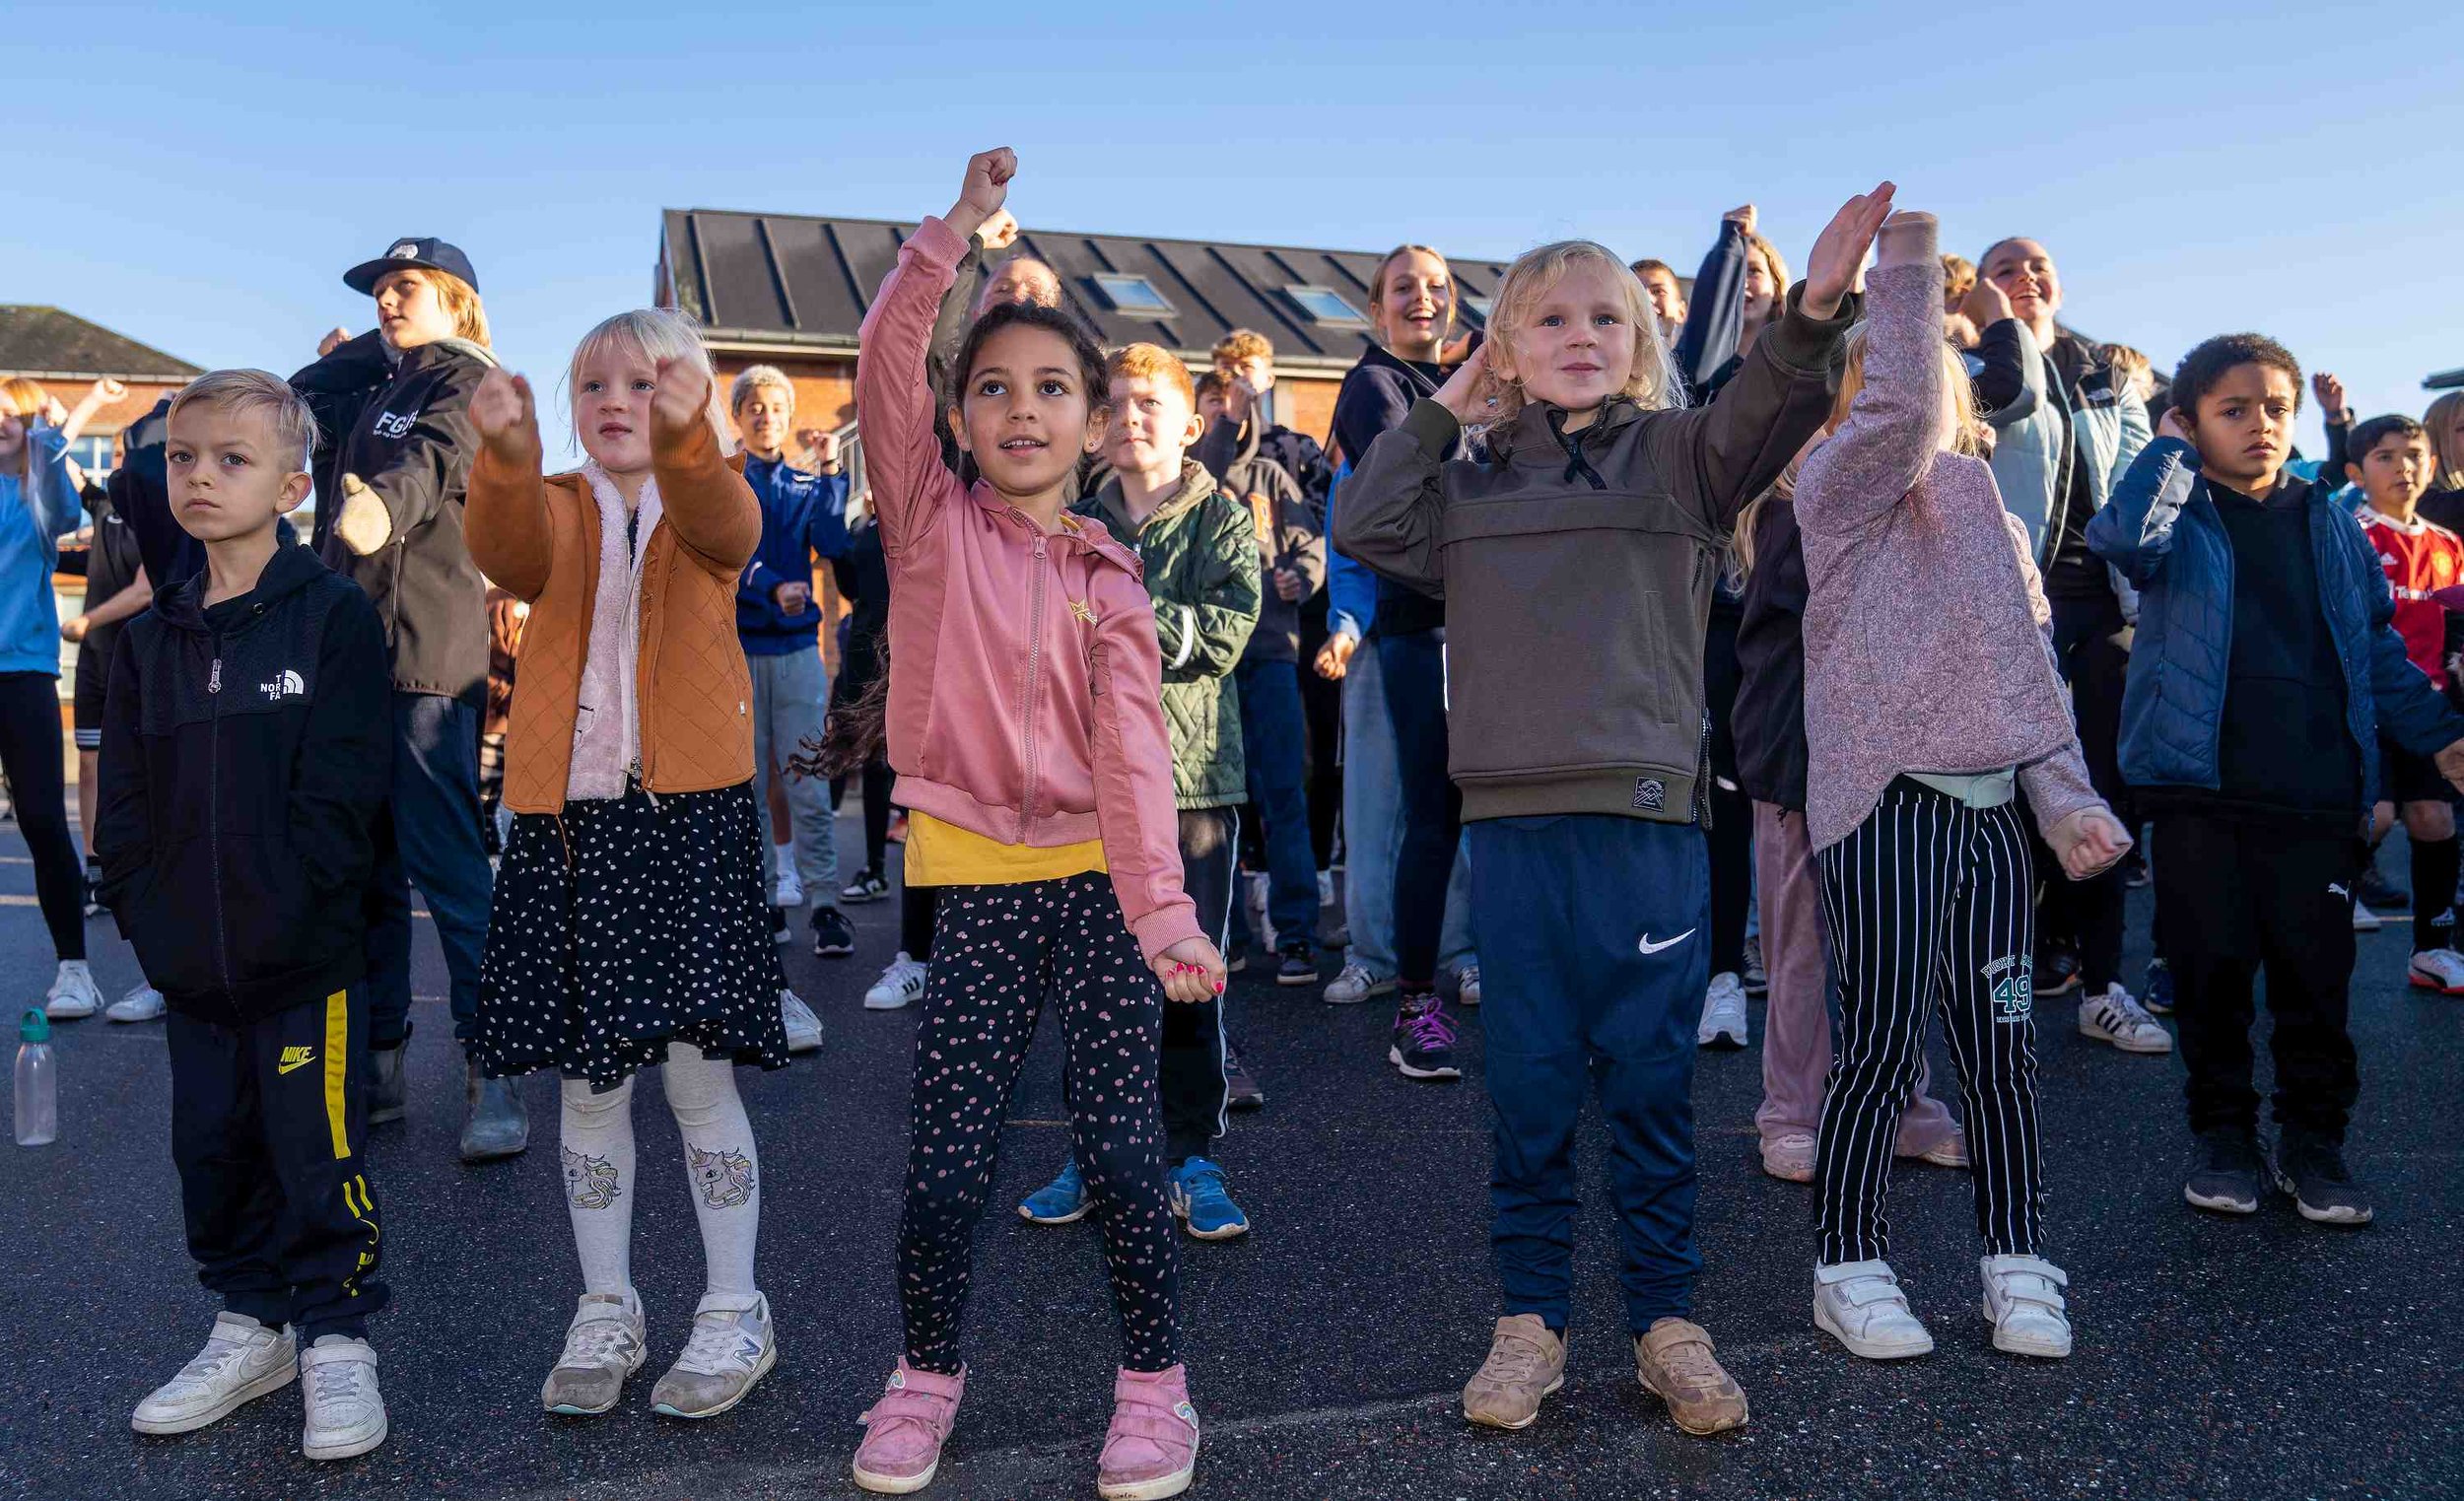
(67, 355)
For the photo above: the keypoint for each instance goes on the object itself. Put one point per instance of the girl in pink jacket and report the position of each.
(1027, 731)
(1933, 717)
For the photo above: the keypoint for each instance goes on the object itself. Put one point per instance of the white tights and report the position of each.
(721, 1165)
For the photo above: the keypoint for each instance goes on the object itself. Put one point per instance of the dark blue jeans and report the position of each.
(1414, 669)
(1595, 943)
(429, 838)
(1274, 743)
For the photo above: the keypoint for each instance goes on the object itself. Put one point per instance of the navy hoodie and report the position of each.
(801, 514)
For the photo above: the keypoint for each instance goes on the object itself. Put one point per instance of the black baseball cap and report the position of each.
(424, 251)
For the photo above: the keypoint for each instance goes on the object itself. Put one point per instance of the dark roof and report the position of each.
(49, 344)
(793, 278)
(2444, 381)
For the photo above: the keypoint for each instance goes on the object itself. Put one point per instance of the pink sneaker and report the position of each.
(1150, 1451)
(905, 1430)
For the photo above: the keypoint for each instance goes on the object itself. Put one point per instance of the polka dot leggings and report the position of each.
(999, 953)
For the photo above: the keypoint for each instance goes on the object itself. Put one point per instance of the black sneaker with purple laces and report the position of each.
(1423, 1046)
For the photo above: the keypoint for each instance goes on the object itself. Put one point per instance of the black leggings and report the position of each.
(1002, 953)
(30, 754)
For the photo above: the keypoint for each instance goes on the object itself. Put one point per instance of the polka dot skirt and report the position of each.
(622, 927)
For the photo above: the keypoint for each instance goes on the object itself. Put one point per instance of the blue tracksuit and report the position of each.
(801, 514)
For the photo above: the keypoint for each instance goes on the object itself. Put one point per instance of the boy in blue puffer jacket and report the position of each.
(2266, 670)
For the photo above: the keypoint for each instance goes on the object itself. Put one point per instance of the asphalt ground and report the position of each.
(2240, 1359)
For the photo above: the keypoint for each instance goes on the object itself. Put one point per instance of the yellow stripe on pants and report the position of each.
(337, 1060)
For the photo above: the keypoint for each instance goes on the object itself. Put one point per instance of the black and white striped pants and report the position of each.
(1928, 905)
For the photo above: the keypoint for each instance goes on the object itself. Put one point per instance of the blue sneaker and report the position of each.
(1204, 1203)
(2160, 995)
(1061, 1201)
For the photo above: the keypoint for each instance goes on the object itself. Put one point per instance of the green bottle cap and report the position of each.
(34, 1027)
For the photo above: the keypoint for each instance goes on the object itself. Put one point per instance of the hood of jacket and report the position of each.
(290, 570)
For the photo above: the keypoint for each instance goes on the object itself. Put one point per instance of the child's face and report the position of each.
(1151, 424)
(12, 435)
(2024, 272)
(2395, 473)
(1026, 415)
(408, 310)
(2243, 427)
(1667, 301)
(1256, 369)
(226, 474)
(612, 391)
(1211, 404)
(1020, 279)
(1762, 288)
(1415, 304)
(764, 417)
(1575, 346)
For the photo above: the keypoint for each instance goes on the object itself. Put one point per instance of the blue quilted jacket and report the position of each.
(2161, 530)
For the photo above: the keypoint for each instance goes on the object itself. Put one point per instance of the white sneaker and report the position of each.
(346, 1414)
(2117, 1017)
(73, 993)
(788, 890)
(1355, 985)
(2438, 969)
(2023, 1304)
(1468, 984)
(605, 1343)
(1860, 1305)
(1255, 892)
(1723, 1013)
(144, 1004)
(727, 1351)
(242, 1361)
(1790, 1156)
(2365, 920)
(900, 985)
(803, 1027)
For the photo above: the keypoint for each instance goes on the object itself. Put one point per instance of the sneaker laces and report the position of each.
(1514, 1360)
(1202, 1180)
(593, 1342)
(2123, 1012)
(1427, 1028)
(906, 971)
(717, 1347)
(339, 1381)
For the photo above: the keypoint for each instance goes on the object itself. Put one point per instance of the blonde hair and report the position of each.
(1740, 543)
(1149, 361)
(753, 375)
(653, 336)
(2444, 445)
(460, 302)
(1242, 344)
(1958, 277)
(255, 393)
(1770, 253)
(23, 399)
(1969, 432)
(1652, 384)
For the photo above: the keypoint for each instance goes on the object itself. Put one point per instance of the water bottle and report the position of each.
(37, 1082)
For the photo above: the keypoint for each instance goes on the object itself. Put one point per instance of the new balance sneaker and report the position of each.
(1150, 1447)
(2024, 1303)
(788, 889)
(731, 1348)
(2159, 998)
(1677, 1362)
(1240, 1091)
(905, 1430)
(2116, 1017)
(1295, 965)
(1203, 1201)
(1062, 1202)
(2224, 1174)
(2438, 969)
(1860, 1305)
(1757, 980)
(1526, 1362)
(388, 1084)
(243, 1361)
(2311, 1169)
(1789, 1157)
(73, 993)
(603, 1345)
(145, 1003)
(803, 1027)
(833, 936)
(1423, 1041)
(346, 1413)
(2057, 970)
(2365, 920)
(900, 985)
(1354, 985)
(1466, 985)
(1723, 1013)
(868, 886)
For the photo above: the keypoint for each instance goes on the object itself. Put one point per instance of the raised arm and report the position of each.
(708, 504)
(504, 518)
(1894, 427)
(1715, 312)
(424, 473)
(1395, 500)
(2134, 531)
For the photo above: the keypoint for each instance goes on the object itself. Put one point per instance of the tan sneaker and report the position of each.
(1526, 1362)
(1675, 1364)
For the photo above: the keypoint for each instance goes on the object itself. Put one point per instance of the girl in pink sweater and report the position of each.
(1026, 728)
(1931, 708)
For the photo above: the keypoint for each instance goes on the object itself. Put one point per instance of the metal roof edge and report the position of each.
(905, 226)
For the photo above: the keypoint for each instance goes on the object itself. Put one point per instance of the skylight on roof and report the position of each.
(1132, 294)
(1326, 306)
(1478, 306)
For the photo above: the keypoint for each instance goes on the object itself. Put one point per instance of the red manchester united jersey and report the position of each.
(2418, 557)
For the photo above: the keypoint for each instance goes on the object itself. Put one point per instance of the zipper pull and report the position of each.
(214, 679)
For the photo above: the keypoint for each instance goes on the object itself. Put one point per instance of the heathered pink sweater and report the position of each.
(1925, 625)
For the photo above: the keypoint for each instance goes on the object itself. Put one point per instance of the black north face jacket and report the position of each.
(244, 762)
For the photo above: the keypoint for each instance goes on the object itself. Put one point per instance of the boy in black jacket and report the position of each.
(246, 751)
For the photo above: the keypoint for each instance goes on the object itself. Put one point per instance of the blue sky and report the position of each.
(200, 181)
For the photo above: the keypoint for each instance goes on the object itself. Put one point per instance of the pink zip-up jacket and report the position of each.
(1925, 620)
(1025, 682)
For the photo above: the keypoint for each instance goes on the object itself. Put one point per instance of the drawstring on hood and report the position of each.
(1576, 464)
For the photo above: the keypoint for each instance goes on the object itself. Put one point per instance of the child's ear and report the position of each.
(958, 430)
(1192, 430)
(294, 492)
(2351, 472)
(1098, 421)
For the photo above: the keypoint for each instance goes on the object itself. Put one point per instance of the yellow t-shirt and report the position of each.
(942, 854)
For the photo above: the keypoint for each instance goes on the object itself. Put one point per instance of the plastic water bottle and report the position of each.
(37, 1082)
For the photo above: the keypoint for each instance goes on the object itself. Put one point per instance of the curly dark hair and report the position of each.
(2206, 364)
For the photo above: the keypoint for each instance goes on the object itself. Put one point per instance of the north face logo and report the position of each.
(288, 686)
(1650, 793)
(393, 424)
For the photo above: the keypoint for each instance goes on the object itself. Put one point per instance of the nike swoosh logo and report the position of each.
(1649, 947)
(293, 1066)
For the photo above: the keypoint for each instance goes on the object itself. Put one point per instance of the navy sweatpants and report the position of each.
(1595, 942)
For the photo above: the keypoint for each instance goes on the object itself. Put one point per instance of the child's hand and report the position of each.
(1907, 239)
(1839, 250)
(984, 192)
(999, 231)
(2330, 392)
(507, 422)
(681, 400)
(2092, 839)
(1462, 393)
(334, 339)
(1985, 305)
(2172, 426)
(1741, 216)
(1335, 658)
(1191, 970)
(2450, 764)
